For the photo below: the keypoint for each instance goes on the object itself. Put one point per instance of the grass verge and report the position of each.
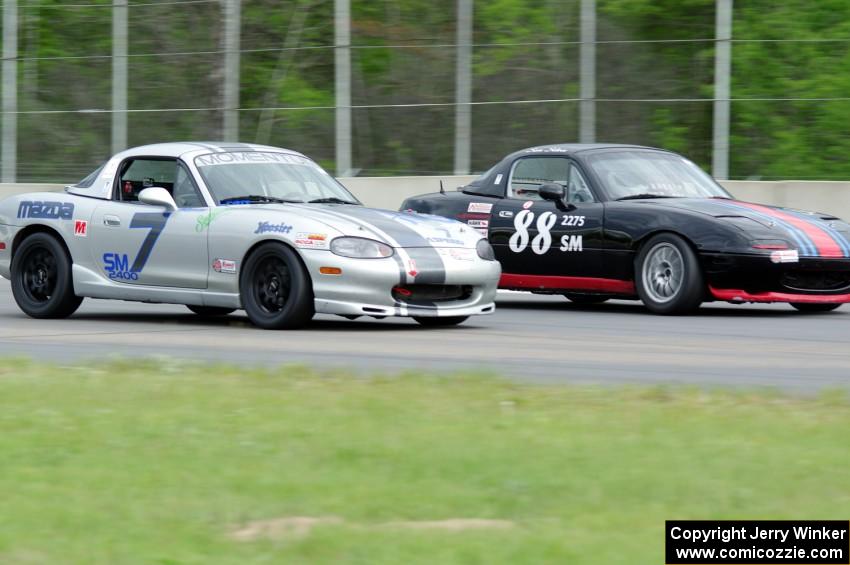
(135, 462)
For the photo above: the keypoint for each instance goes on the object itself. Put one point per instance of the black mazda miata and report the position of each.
(601, 221)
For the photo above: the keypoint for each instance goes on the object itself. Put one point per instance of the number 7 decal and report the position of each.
(154, 221)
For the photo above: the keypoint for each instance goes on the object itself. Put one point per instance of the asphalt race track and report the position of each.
(533, 338)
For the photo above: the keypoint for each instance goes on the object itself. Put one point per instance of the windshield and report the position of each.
(651, 173)
(278, 176)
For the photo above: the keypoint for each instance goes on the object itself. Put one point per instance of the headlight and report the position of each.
(360, 248)
(485, 250)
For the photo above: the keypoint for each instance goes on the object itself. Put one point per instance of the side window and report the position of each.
(577, 189)
(139, 174)
(185, 193)
(528, 173)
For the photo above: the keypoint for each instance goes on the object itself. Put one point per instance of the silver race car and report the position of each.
(224, 226)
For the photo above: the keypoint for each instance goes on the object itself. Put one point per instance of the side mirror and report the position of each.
(552, 191)
(157, 196)
(557, 194)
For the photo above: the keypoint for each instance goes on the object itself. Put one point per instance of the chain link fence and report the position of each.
(654, 81)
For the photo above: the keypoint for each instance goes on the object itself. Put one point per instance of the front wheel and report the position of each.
(276, 290)
(41, 278)
(442, 321)
(814, 306)
(668, 276)
(210, 311)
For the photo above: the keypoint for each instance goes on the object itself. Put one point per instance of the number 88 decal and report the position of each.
(542, 241)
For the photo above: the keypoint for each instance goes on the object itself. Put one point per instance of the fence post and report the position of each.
(9, 148)
(119, 75)
(342, 85)
(232, 25)
(463, 88)
(587, 73)
(722, 72)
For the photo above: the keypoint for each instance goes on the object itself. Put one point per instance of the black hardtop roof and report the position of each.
(568, 148)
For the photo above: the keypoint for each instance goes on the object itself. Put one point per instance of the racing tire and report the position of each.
(668, 276)
(276, 290)
(585, 298)
(210, 311)
(441, 321)
(42, 283)
(810, 307)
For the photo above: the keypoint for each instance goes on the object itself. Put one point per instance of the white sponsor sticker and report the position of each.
(478, 223)
(498, 179)
(311, 240)
(480, 207)
(785, 256)
(224, 266)
(506, 214)
(461, 254)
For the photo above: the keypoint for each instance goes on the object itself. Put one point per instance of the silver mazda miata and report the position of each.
(226, 226)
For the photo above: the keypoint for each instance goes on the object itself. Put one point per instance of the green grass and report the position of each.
(158, 463)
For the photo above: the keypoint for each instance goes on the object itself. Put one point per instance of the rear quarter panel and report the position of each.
(66, 215)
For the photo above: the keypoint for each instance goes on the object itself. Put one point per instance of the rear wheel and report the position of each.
(814, 307)
(210, 311)
(441, 321)
(41, 278)
(668, 276)
(585, 298)
(275, 288)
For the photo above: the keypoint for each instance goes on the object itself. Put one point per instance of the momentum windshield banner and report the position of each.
(764, 542)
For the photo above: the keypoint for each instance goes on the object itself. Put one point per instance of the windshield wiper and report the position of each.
(644, 195)
(331, 200)
(257, 199)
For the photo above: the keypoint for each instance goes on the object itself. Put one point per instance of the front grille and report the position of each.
(816, 280)
(429, 293)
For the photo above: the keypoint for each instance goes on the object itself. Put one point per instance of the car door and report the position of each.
(137, 244)
(532, 236)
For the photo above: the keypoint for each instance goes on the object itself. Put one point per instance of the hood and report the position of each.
(398, 229)
(812, 233)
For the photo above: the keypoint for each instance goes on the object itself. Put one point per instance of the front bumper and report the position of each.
(365, 286)
(755, 278)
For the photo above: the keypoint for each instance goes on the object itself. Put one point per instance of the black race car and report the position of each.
(594, 222)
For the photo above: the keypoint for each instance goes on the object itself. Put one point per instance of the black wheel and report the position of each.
(441, 321)
(586, 298)
(275, 288)
(210, 311)
(668, 276)
(41, 278)
(814, 306)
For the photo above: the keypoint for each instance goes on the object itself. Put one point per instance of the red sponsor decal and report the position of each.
(412, 268)
(825, 244)
(613, 286)
(81, 228)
